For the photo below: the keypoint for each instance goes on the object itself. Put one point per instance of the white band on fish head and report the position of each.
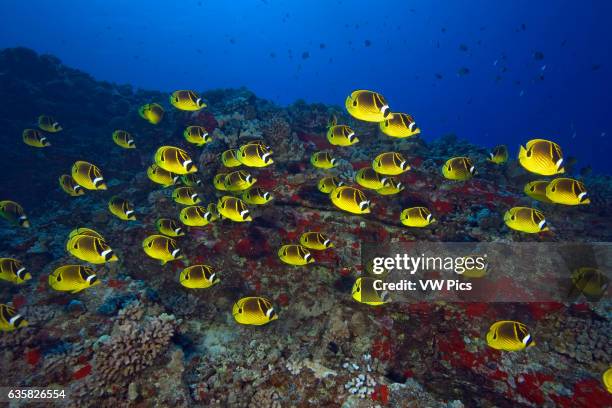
(542, 224)
(97, 181)
(176, 252)
(14, 319)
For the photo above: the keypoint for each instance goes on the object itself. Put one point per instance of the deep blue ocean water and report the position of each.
(490, 72)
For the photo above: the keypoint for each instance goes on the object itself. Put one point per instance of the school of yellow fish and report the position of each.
(172, 165)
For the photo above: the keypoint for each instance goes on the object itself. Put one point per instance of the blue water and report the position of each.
(262, 45)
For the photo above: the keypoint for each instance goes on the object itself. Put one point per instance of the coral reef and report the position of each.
(141, 339)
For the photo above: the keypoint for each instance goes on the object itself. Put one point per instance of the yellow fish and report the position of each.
(73, 278)
(399, 125)
(316, 241)
(364, 292)
(234, 209)
(567, 191)
(341, 135)
(329, 183)
(525, 219)
(13, 213)
(254, 311)
(195, 216)
(124, 139)
(537, 190)
(323, 160)
(90, 249)
(161, 248)
(48, 124)
(174, 160)
(459, 168)
(238, 180)
(122, 208)
(257, 196)
(254, 155)
(169, 227)
(198, 277)
(417, 217)
(473, 268)
(185, 196)
(296, 255)
(191, 180)
(219, 181)
(152, 113)
(160, 176)
(229, 159)
(10, 320)
(390, 164)
(12, 270)
(85, 231)
(197, 135)
(34, 138)
(368, 106)
(607, 379)
(509, 335)
(394, 186)
(591, 282)
(70, 186)
(186, 100)
(541, 157)
(88, 176)
(499, 154)
(350, 199)
(368, 178)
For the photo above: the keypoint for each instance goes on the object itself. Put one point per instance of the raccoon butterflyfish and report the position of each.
(169, 227)
(541, 156)
(254, 311)
(364, 292)
(10, 320)
(195, 216)
(161, 248)
(185, 196)
(234, 209)
(567, 191)
(368, 178)
(88, 176)
(196, 135)
(12, 270)
(417, 217)
(186, 100)
(198, 277)
(459, 168)
(151, 112)
(70, 186)
(350, 199)
(316, 241)
(509, 335)
(328, 184)
(122, 208)
(399, 125)
(35, 138)
(341, 135)
(124, 139)
(296, 255)
(525, 219)
(73, 278)
(368, 106)
(48, 124)
(13, 213)
(174, 160)
(160, 176)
